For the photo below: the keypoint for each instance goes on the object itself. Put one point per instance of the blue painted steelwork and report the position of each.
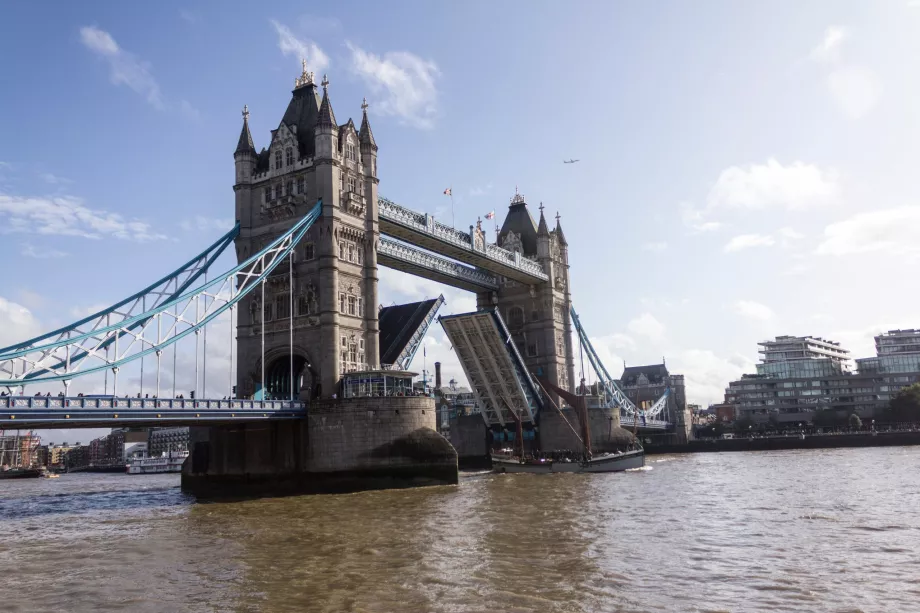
(194, 268)
(612, 392)
(21, 365)
(408, 353)
(531, 390)
(24, 412)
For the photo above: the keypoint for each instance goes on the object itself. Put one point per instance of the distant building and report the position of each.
(57, 454)
(19, 450)
(723, 412)
(799, 376)
(644, 386)
(162, 440)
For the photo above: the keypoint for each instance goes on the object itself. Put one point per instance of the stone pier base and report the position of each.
(343, 446)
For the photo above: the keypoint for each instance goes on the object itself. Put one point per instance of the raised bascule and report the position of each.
(322, 399)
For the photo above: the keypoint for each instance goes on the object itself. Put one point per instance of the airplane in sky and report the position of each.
(569, 161)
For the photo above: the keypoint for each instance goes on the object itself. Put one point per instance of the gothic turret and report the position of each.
(558, 232)
(366, 135)
(245, 155)
(326, 117)
(519, 232)
(326, 131)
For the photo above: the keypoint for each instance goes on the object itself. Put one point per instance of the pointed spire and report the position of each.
(245, 144)
(305, 78)
(366, 135)
(543, 230)
(558, 230)
(326, 116)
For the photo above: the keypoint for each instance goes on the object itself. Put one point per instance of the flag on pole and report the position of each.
(490, 215)
(447, 192)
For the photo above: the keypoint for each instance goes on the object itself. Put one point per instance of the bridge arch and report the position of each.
(278, 374)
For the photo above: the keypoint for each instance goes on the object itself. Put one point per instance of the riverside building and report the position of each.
(799, 376)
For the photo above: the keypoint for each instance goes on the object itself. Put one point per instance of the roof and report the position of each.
(325, 116)
(655, 373)
(519, 221)
(366, 135)
(559, 235)
(245, 143)
(397, 325)
(302, 111)
(543, 230)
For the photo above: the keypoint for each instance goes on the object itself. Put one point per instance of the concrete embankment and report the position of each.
(774, 443)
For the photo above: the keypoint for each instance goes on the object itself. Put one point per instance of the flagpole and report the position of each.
(453, 223)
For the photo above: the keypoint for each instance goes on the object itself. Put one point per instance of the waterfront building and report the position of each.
(800, 376)
(19, 450)
(161, 440)
(57, 454)
(644, 385)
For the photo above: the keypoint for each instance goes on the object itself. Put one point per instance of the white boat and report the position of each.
(604, 463)
(169, 462)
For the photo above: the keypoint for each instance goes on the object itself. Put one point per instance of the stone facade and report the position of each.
(334, 285)
(344, 445)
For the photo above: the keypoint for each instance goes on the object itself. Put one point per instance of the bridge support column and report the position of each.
(342, 446)
(606, 433)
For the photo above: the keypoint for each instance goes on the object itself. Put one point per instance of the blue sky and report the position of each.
(747, 169)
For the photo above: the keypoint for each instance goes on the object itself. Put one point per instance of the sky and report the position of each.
(745, 169)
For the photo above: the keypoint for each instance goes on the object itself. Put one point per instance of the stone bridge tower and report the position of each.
(538, 317)
(310, 157)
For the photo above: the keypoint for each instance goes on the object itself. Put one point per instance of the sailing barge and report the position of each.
(516, 461)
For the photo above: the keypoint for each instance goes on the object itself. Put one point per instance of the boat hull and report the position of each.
(602, 464)
(21, 473)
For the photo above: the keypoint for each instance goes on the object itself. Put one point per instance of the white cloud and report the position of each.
(404, 82)
(51, 179)
(188, 111)
(829, 49)
(757, 186)
(16, 323)
(746, 241)
(706, 375)
(67, 216)
(646, 325)
(855, 89)
(656, 247)
(790, 233)
(890, 232)
(30, 299)
(317, 60)
(28, 250)
(206, 224)
(125, 68)
(753, 310)
(694, 219)
(480, 191)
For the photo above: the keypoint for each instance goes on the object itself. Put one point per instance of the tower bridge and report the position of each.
(319, 400)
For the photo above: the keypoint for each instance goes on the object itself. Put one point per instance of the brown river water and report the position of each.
(827, 530)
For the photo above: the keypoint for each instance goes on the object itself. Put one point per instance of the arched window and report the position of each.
(515, 317)
(289, 156)
(278, 159)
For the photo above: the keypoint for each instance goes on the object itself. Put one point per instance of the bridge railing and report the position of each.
(109, 402)
(427, 224)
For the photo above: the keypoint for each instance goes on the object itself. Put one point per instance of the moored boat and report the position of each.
(170, 462)
(603, 463)
(22, 473)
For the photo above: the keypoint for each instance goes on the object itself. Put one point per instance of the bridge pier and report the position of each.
(344, 445)
(606, 433)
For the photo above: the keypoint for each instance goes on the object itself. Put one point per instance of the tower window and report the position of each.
(283, 306)
(308, 251)
(342, 303)
(351, 253)
(267, 194)
(360, 255)
(515, 317)
(352, 305)
(351, 183)
(361, 314)
(268, 311)
(289, 156)
(278, 160)
(290, 188)
(341, 250)
(301, 185)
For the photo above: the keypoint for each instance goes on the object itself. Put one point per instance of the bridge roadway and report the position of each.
(628, 422)
(33, 412)
(423, 230)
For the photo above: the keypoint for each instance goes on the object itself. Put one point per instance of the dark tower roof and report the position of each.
(245, 143)
(366, 135)
(302, 111)
(326, 117)
(558, 231)
(656, 374)
(519, 221)
(543, 230)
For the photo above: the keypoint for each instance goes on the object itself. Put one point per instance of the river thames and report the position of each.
(828, 530)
